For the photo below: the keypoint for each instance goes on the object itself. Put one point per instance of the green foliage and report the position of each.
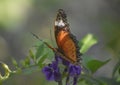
(25, 62)
(90, 80)
(88, 41)
(119, 70)
(116, 69)
(15, 63)
(118, 79)
(40, 50)
(6, 70)
(10, 17)
(41, 60)
(43, 56)
(32, 56)
(94, 65)
(30, 70)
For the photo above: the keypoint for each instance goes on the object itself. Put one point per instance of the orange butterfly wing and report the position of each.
(67, 43)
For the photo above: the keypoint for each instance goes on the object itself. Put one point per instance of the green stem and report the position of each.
(60, 83)
(67, 79)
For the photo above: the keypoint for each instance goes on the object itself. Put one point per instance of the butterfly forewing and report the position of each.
(67, 43)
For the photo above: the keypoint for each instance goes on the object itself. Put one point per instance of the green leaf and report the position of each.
(30, 70)
(47, 61)
(94, 65)
(88, 41)
(31, 55)
(116, 68)
(49, 53)
(42, 59)
(14, 62)
(118, 79)
(86, 59)
(22, 62)
(40, 50)
(82, 82)
(90, 80)
(27, 61)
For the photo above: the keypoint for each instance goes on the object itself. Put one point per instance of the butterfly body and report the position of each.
(66, 41)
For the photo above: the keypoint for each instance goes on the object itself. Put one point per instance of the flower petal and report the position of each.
(54, 65)
(78, 70)
(74, 70)
(48, 73)
(50, 76)
(57, 76)
(46, 69)
(66, 63)
(58, 58)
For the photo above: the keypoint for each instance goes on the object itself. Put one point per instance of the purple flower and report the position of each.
(52, 71)
(60, 59)
(74, 70)
(65, 62)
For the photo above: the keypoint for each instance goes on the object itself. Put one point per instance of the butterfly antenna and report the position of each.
(35, 36)
(43, 41)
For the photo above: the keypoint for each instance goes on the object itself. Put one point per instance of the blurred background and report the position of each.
(18, 18)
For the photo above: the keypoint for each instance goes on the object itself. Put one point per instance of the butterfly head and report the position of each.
(61, 19)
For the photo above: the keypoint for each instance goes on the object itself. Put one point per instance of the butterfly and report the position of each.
(66, 41)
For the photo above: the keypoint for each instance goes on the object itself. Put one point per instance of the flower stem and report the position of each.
(67, 79)
(60, 83)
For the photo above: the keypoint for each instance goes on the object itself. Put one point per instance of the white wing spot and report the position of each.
(59, 23)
